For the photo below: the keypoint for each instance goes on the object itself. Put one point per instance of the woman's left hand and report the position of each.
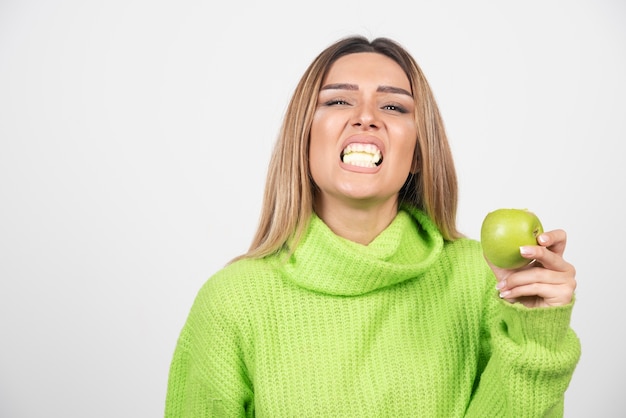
(548, 281)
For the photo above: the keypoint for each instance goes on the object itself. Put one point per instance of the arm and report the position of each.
(531, 355)
(530, 351)
(207, 377)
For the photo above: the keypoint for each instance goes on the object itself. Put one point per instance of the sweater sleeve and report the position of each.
(207, 377)
(530, 355)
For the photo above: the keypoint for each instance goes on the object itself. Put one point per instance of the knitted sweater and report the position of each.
(407, 326)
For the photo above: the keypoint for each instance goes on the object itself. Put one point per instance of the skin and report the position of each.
(365, 98)
(548, 281)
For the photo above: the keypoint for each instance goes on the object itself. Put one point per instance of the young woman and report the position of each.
(358, 296)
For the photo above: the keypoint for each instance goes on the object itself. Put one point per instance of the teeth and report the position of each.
(361, 155)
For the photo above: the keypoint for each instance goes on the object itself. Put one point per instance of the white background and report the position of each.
(134, 141)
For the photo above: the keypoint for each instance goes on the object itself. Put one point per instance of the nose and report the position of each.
(365, 116)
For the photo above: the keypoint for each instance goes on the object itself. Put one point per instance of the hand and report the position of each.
(547, 281)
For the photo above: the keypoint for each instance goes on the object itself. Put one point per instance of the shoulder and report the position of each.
(227, 308)
(465, 248)
(465, 256)
(241, 282)
(242, 271)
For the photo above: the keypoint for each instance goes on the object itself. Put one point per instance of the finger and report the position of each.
(548, 258)
(555, 240)
(541, 294)
(522, 284)
(540, 275)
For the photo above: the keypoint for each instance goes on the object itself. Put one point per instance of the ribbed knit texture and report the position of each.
(408, 326)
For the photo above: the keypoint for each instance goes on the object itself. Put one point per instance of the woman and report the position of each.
(358, 296)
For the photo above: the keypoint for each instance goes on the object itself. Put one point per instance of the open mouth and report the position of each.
(362, 155)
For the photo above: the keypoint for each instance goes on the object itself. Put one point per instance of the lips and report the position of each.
(362, 154)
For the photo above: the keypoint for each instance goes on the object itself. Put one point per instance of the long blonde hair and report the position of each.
(290, 191)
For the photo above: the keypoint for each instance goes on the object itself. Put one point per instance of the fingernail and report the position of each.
(505, 293)
(500, 285)
(525, 251)
(542, 239)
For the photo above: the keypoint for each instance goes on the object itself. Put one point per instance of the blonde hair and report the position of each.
(290, 192)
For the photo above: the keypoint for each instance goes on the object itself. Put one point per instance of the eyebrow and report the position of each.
(381, 89)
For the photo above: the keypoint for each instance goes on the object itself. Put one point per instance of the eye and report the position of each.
(335, 102)
(395, 108)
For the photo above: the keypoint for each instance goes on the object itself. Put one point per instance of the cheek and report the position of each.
(315, 139)
(321, 137)
(317, 148)
(407, 147)
(315, 157)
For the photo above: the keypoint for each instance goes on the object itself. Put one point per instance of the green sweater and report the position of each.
(408, 326)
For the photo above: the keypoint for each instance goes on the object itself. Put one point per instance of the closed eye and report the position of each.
(395, 108)
(336, 102)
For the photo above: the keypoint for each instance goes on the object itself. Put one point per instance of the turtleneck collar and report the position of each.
(327, 263)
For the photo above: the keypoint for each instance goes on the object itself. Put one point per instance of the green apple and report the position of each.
(504, 231)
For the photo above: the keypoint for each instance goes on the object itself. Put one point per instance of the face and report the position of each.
(363, 134)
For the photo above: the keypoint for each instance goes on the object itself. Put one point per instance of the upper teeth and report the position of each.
(362, 155)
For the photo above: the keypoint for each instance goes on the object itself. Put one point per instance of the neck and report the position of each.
(358, 223)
